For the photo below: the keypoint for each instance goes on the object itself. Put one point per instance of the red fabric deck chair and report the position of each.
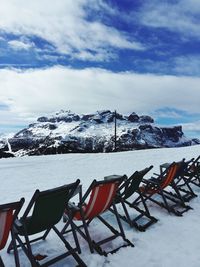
(155, 189)
(101, 196)
(8, 213)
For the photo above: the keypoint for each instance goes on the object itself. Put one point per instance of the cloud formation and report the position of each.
(180, 16)
(106, 44)
(193, 128)
(64, 24)
(20, 45)
(32, 93)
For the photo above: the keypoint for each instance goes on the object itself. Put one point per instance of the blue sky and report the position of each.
(85, 55)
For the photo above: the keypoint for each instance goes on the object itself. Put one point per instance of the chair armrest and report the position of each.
(18, 223)
(78, 190)
(72, 206)
(114, 176)
(150, 182)
(17, 226)
(164, 166)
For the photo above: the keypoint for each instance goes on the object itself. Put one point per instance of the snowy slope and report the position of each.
(171, 242)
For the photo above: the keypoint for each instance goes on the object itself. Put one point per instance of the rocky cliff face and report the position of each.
(66, 132)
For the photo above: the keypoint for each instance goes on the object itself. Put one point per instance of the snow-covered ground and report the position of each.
(172, 241)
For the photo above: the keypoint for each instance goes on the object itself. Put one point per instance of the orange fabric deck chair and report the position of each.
(162, 190)
(8, 213)
(101, 196)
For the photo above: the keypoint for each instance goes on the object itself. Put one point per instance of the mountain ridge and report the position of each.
(68, 132)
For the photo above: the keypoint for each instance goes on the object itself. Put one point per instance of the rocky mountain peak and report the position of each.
(66, 132)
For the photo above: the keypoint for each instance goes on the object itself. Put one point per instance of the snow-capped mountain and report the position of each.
(66, 132)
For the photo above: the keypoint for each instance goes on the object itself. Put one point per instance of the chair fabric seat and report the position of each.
(154, 185)
(8, 215)
(6, 219)
(97, 199)
(97, 205)
(43, 212)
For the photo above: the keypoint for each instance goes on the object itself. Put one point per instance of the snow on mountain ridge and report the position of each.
(67, 132)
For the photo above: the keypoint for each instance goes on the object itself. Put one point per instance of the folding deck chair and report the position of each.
(43, 212)
(101, 196)
(155, 190)
(193, 172)
(8, 214)
(127, 190)
(182, 183)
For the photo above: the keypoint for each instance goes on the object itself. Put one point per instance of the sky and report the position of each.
(86, 55)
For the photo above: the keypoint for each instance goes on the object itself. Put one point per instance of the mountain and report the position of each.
(67, 132)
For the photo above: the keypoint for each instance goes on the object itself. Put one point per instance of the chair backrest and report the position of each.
(131, 185)
(197, 159)
(102, 194)
(171, 173)
(8, 213)
(194, 166)
(183, 168)
(48, 208)
(163, 180)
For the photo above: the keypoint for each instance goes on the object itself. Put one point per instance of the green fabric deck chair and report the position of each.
(44, 211)
(128, 191)
(8, 214)
(96, 201)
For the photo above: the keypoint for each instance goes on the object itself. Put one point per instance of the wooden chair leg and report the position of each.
(17, 263)
(1, 262)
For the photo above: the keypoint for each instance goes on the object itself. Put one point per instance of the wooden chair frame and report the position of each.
(29, 225)
(13, 209)
(86, 212)
(128, 189)
(156, 186)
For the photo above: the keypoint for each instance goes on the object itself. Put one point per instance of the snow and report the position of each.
(172, 241)
(65, 129)
(4, 138)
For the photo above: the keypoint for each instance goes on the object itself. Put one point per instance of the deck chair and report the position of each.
(97, 200)
(182, 183)
(43, 212)
(193, 172)
(8, 214)
(128, 189)
(157, 190)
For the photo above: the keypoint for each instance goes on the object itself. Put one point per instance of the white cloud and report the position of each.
(19, 45)
(101, 55)
(63, 24)
(178, 16)
(33, 93)
(193, 128)
(10, 118)
(189, 65)
(165, 113)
